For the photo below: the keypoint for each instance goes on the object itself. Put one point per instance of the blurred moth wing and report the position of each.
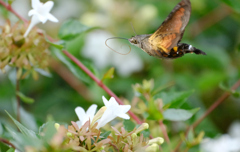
(172, 29)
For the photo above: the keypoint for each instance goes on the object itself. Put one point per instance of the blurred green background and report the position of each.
(213, 28)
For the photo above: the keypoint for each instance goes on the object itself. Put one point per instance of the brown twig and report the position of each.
(99, 82)
(164, 131)
(210, 109)
(7, 142)
(9, 8)
(216, 104)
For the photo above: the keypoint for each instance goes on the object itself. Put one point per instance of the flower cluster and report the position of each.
(84, 135)
(27, 54)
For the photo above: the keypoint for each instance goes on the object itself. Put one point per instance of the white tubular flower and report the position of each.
(40, 13)
(113, 110)
(85, 116)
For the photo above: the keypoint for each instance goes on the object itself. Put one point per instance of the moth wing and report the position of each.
(171, 30)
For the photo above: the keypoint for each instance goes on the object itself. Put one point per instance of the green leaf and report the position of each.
(228, 89)
(59, 45)
(146, 133)
(48, 130)
(105, 134)
(71, 29)
(128, 125)
(11, 150)
(109, 74)
(79, 73)
(24, 98)
(43, 72)
(1, 129)
(23, 130)
(176, 99)
(154, 113)
(21, 140)
(179, 114)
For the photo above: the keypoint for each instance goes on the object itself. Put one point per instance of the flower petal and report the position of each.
(122, 110)
(91, 111)
(52, 18)
(113, 102)
(47, 6)
(32, 12)
(36, 4)
(107, 116)
(125, 108)
(33, 22)
(105, 101)
(80, 113)
(124, 116)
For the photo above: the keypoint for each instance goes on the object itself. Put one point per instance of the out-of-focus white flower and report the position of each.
(147, 12)
(16, 150)
(224, 143)
(40, 13)
(113, 110)
(85, 116)
(102, 56)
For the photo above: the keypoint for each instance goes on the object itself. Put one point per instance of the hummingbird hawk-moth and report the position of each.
(165, 41)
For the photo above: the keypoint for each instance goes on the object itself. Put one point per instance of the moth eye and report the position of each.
(135, 41)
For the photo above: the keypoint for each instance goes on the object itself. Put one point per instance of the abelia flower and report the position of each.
(40, 13)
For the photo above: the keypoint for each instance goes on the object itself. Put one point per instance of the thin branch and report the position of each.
(9, 8)
(7, 142)
(70, 79)
(164, 131)
(216, 104)
(210, 109)
(99, 82)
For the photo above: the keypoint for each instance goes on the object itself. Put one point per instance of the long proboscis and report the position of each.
(115, 50)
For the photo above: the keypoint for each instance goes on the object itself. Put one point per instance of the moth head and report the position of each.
(134, 41)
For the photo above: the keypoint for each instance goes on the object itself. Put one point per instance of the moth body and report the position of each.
(165, 41)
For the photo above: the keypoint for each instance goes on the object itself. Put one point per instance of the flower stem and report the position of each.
(210, 109)
(7, 142)
(9, 8)
(99, 82)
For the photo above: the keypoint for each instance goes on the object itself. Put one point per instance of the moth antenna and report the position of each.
(121, 46)
(133, 29)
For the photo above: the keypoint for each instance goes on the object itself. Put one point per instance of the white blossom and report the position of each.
(85, 116)
(113, 110)
(224, 143)
(40, 13)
